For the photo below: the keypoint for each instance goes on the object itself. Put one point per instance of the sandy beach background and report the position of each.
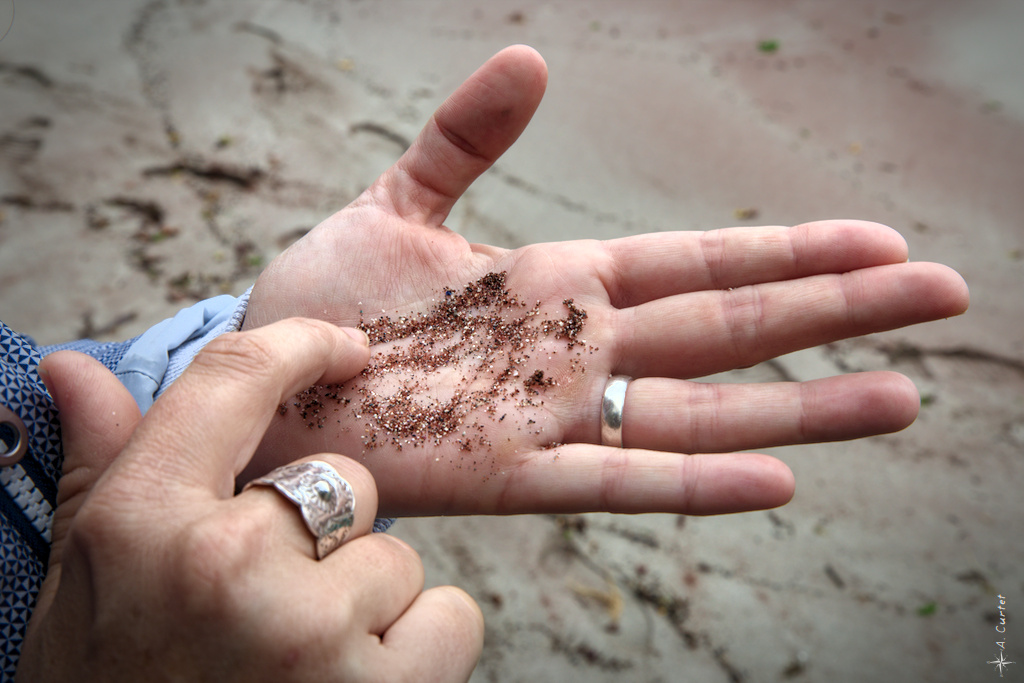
(157, 152)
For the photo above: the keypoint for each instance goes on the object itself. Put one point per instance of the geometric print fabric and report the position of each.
(28, 489)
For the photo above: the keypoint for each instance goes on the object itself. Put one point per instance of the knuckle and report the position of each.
(212, 559)
(237, 352)
(715, 255)
(391, 555)
(744, 318)
(105, 525)
(465, 613)
(690, 482)
(313, 327)
(402, 551)
(261, 353)
(613, 478)
(96, 530)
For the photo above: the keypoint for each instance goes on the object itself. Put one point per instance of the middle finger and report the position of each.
(701, 333)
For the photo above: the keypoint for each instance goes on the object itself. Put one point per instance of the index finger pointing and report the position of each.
(204, 429)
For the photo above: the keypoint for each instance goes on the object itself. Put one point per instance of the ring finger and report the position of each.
(314, 502)
(693, 417)
(388, 578)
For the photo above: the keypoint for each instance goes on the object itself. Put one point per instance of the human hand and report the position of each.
(159, 571)
(664, 308)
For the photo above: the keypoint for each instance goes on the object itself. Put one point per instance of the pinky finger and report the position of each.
(438, 639)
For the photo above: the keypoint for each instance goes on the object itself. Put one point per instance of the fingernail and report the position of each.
(357, 335)
(44, 375)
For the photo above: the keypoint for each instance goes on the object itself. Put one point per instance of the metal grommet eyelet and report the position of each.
(13, 437)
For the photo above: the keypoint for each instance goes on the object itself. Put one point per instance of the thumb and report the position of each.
(469, 131)
(97, 415)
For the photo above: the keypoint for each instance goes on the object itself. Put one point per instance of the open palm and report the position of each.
(664, 308)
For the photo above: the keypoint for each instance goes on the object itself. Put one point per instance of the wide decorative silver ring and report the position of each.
(324, 497)
(612, 404)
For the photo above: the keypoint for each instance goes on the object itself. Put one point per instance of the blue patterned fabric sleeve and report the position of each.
(28, 488)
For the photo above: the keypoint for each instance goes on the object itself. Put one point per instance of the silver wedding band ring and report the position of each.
(324, 497)
(612, 404)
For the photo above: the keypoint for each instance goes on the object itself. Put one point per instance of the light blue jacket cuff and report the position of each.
(161, 354)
